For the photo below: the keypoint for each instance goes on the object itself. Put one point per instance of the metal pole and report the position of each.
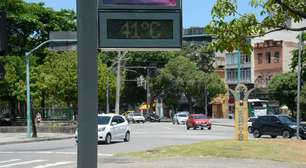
(29, 118)
(239, 117)
(205, 96)
(148, 91)
(299, 87)
(87, 83)
(107, 94)
(117, 108)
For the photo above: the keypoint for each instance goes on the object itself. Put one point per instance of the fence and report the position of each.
(56, 114)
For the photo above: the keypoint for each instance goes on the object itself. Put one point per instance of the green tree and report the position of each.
(200, 53)
(29, 24)
(283, 89)
(210, 82)
(180, 77)
(232, 28)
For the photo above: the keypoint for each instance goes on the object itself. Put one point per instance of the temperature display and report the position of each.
(139, 29)
(141, 2)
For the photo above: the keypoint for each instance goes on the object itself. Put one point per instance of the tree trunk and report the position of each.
(189, 99)
(34, 130)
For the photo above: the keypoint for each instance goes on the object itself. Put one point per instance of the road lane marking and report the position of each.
(8, 161)
(22, 163)
(49, 152)
(53, 164)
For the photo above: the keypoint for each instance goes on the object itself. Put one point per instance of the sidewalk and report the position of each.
(13, 138)
(194, 162)
(223, 122)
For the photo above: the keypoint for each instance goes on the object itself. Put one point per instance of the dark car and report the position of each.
(5, 119)
(276, 126)
(152, 117)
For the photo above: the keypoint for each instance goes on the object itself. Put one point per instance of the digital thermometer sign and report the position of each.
(139, 29)
(141, 2)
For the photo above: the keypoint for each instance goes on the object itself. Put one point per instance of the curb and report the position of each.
(224, 125)
(36, 140)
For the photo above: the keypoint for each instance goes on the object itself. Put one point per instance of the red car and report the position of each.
(198, 121)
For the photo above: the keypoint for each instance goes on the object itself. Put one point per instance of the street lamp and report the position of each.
(27, 56)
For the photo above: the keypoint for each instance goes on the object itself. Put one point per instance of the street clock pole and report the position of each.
(87, 83)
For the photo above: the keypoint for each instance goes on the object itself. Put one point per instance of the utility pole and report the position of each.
(299, 86)
(117, 108)
(148, 92)
(29, 114)
(87, 26)
(118, 80)
(107, 94)
(205, 97)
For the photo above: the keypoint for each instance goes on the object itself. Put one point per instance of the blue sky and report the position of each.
(195, 12)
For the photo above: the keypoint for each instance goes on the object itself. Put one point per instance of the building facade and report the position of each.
(231, 69)
(271, 58)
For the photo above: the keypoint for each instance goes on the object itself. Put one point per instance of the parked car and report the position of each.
(180, 118)
(152, 117)
(276, 125)
(135, 117)
(111, 127)
(250, 121)
(198, 121)
(5, 119)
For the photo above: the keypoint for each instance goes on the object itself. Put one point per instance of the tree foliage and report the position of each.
(232, 29)
(283, 88)
(29, 24)
(181, 76)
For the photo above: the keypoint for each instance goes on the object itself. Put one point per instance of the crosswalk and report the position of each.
(16, 163)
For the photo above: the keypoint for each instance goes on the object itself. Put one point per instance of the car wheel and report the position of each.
(127, 137)
(187, 127)
(250, 130)
(194, 128)
(108, 139)
(202, 128)
(209, 128)
(256, 133)
(286, 134)
(178, 123)
(273, 136)
(133, 121)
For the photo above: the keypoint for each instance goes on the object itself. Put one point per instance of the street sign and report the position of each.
(140, 4)
(139, 30)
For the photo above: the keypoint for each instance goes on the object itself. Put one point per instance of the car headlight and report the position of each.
(101, 129)
(293, 126)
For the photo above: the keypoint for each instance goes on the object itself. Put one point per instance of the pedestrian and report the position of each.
(38, 118)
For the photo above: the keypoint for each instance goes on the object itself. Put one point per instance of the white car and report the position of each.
(250, 121)
(135, 117)
(180, 118)
(112, 127)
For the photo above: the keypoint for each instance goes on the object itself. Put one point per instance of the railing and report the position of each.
(56, 114)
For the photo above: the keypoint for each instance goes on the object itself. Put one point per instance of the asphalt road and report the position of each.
(62, 153)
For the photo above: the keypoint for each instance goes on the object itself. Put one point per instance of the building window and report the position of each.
(259, 58)
(268, 58)
(276, 57)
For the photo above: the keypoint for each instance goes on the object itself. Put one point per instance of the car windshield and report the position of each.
(287, 120)
(103, 120)
(199, 117)
(137, 114)
(182, 115)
